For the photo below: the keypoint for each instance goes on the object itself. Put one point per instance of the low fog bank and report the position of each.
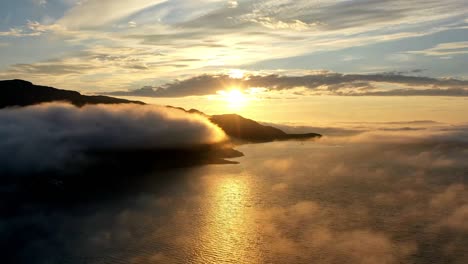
(375, 197)
(59, 136)
(381, 196)
(346, 129)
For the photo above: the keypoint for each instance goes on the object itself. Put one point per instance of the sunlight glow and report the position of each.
(236, 74)
(234, 97)
(230, 232)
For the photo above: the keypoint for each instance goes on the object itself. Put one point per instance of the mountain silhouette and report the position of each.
(111, 171)
(24, 93)
(245, 129)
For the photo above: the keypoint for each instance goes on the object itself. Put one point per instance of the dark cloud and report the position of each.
(329, 83)
(414, 92)
(313, 81)
(54, 136)
(200, 85)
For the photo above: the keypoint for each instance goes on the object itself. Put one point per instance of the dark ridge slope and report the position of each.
(246, 129)
(23, 93)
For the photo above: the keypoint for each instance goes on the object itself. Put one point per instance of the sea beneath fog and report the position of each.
(361, 201)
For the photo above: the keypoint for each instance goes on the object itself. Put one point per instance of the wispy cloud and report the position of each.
(445, 49)
(211, 34)
(40, 2)
(94, 13)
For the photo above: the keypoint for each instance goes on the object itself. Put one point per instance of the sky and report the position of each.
(384, 81)
(269, 50)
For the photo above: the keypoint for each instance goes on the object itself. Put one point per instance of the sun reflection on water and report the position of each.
(229, 233)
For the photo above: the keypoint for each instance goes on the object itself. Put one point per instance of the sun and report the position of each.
(234, 97)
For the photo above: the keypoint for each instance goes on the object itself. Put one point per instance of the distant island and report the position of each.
(240, 129)
(247, 130)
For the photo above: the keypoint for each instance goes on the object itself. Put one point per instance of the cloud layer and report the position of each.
(377, 197)
(54, 136)
(125, 43)
(385, 84)
(85, 14)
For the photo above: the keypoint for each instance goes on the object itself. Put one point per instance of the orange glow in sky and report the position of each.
(234, 97)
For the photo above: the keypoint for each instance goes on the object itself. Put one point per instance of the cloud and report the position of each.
(132, 24)
(324, 130)
(319, 83)
(205, 36)
(350, 14)
(94, 13)
(448, 197)
(66, 133)
(445, 49)
(377, 173)
(377, 197)
(40, 2)
(50, 68)
(31, 29)
(347, 129)
(208, 35)
(18, 32)
(295, 24)
(318, 241)
(458, 220)
(415, 92)
(232, 4)
(199, 85)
